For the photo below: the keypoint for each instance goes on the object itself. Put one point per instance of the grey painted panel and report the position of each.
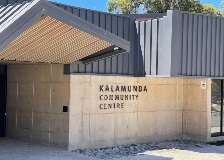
(89, 16)
(96, 19)
(69, 9)
(138, 53)
(176, 42)
(103, 21)
(142, 47)
(131, 56)
(148, 48)
(125, 63)
(89, 68)
(120, 64)
(5, 2)
(199, 45)
(209, 44)
(114, 65)
(62, 7)
(126, 28)
(195, 45)
(185, 45)
(83, 14)
(166, 68)
(217, 47)
(108, 65)
(114, 25)
(222, 49)
(154, 47)
(189, 45)
(161, 60)
(76, 11)
(102, 66)
(213, 47)
(96, 67)
(108, 23)
(120, 27)
(75, 68)
(204, 45)
(82, 68)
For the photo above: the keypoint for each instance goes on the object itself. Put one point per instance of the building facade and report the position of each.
(88, 79)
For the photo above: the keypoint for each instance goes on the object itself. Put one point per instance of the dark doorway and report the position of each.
(217, 113)
(3, 76)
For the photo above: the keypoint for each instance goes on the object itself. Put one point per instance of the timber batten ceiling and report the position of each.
(39, 31)
(52, 41)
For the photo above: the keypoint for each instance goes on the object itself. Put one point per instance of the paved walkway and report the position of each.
(11, 149)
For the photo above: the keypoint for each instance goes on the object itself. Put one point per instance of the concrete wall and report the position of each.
(197, 110)
(168, 108)
(171, 108)
(35, 98)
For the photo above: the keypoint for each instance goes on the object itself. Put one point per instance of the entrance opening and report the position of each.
(217, 95)
(3, 76)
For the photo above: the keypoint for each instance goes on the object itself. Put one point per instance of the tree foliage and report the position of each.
(123, 6)
(210, 9)
(161, 6)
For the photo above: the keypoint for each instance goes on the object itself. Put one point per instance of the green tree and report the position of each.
(210, 9)
(222, 6)
(161, 6)
(123, 6)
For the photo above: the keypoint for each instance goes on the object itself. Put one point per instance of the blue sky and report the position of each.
(100, 5)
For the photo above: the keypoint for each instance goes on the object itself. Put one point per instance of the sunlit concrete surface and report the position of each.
(11, 149)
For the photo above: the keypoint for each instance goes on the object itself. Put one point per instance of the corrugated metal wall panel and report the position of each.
(221, 66)
(202, 45)
(195, 45)
(160, 49)
(150, 50)
(154, 55)
(181, 44)
(217, 48)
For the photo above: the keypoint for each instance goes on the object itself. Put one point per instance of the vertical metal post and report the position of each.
(221, 114)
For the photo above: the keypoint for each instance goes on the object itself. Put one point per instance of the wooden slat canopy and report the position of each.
(52, 41)
(39, 31)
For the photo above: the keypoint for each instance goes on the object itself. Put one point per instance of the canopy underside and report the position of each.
(51, 41)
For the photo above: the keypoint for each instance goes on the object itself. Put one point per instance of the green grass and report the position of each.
(217, 143)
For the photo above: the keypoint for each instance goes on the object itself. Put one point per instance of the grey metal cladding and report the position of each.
(181, 44)
(200, 45)
(150, 57)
